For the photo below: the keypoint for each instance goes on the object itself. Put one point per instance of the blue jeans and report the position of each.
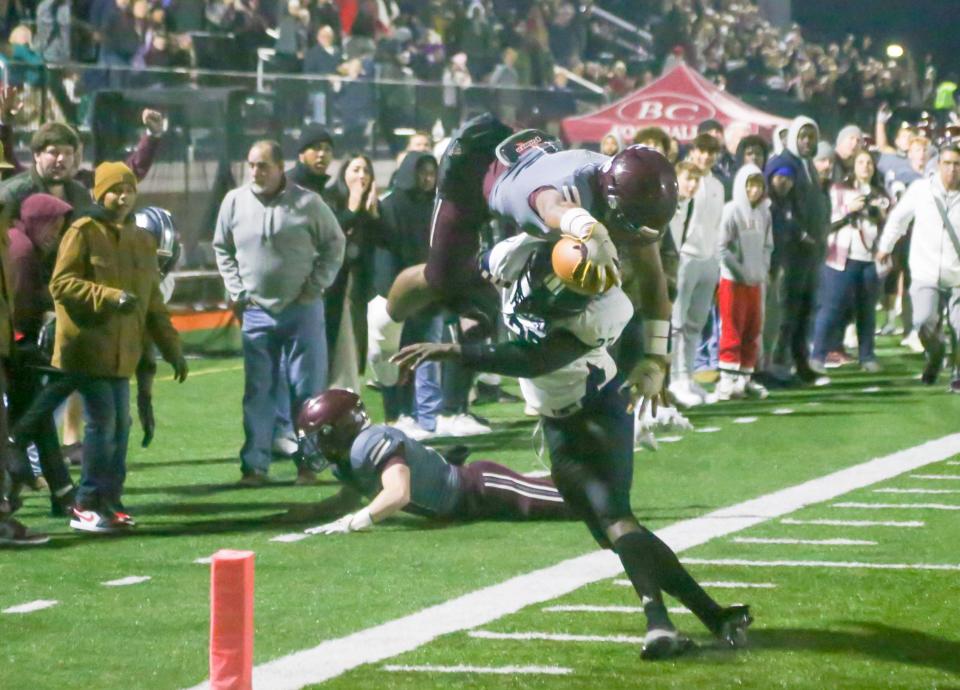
(852, 290)
(427, 393)
(295, 336)
(106, 416)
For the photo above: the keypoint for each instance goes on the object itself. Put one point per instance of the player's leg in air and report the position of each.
(450, 274)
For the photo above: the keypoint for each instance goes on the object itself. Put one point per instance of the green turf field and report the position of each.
(817, 627)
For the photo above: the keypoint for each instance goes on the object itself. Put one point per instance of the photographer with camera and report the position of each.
(849, 282)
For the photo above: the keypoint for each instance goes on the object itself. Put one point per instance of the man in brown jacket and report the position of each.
(106, 291)
(12, 532)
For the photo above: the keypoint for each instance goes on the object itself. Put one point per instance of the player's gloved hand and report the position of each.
(352, 522)
(647, 380)
(669, 417)
(600, 269)
(180, 369)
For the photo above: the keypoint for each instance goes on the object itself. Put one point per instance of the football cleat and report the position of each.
(732, 624)
(660, 643)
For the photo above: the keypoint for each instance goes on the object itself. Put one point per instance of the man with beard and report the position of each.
(314, 154)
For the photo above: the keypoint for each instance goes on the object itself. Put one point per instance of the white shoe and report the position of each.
(409, 426)
(755, 390)
(708, 398)
(530, 411)
(729, 388)
(684, 395)
(850, 340)
(285, 446)
(460, 425)
(912, 341)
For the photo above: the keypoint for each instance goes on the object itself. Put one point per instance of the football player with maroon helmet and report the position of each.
(398, 473)
(562, 329)
(613, 206)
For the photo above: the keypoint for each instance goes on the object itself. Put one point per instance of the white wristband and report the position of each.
(361, 520)
(577, 222)
(656, 337)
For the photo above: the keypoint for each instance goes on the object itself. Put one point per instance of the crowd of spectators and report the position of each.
(459, 44)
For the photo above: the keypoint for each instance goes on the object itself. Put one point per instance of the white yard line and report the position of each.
(782, 411)
(901, 506)
(206, 560)
(953, 462)
(125, 581)
(669, 439)
(810, 542)
(723, 584)
(554, 637)
(707, 430)
(287, 538)
(499, 670)
(820, 564)
(916, 491)
(31, 606)
(954, 477)
(856, 523)
(872, 389)
(744, 420)
(332, 658)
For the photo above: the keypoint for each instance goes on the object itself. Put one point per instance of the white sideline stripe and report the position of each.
(811, 542)
(916, 491)
(707, 429)
(293, 536)
(590, 608)
(124, 581)
(918, 506)
(872, 389)
(744, 420)
(31, 606)
(500, 670)
(955, 477)
(782, 410)
(953, 462)
(206, 560)
(333, 657)
(820, 564)
(554, 637)
(856, 523)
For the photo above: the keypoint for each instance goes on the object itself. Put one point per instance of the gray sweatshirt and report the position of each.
(272, 253)
(746, 235)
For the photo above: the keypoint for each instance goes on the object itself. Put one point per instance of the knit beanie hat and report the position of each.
(313, 134)
(109, 174)
(824, 150)
(848, 131)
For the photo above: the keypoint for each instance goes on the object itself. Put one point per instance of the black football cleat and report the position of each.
(660, 643)
(732, 624)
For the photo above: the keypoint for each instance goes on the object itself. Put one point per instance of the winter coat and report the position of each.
(746, 234)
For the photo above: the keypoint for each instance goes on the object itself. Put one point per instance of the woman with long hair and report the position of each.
(849, 282)
(353, 198)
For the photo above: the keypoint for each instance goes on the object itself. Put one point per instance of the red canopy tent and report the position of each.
(677, 102)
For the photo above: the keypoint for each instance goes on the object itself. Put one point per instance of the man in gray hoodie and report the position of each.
(278, 246)
(803, 251)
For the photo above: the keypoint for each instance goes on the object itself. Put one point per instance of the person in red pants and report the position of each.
(745, 247)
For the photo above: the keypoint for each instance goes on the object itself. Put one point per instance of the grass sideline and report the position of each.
(154, 634)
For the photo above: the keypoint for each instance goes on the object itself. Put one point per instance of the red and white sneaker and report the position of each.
(92, 521)
(122, 520)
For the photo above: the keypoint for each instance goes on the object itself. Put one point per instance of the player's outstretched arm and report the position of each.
(515, 358)
(394, 496)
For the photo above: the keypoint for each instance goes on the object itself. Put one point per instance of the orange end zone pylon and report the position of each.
(231, 620)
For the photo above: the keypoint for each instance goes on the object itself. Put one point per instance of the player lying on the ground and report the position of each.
(398, 473)
(566, 374)
(614, 206)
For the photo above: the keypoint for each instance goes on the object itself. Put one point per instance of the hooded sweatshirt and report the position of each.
(406, 213)
(746, 234)
(812, 202)
(29, 267)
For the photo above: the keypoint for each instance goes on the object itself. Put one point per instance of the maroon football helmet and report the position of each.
(328, 423)
(639, 187)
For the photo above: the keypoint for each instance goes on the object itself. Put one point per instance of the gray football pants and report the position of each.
(928, 302)
(696, 283)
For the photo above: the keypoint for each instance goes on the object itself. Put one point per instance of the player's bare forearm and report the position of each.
(395, 494)
(646, 285)
(551, 206)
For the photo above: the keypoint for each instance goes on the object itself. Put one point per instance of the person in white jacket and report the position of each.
(697, 274)
(933, 205)
(746, 243)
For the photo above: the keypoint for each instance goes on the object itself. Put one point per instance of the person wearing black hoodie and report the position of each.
(406, 212)
(801, 257)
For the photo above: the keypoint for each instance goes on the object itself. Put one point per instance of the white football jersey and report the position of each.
(560, 392)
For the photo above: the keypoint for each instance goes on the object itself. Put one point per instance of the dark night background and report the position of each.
(922, 26)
